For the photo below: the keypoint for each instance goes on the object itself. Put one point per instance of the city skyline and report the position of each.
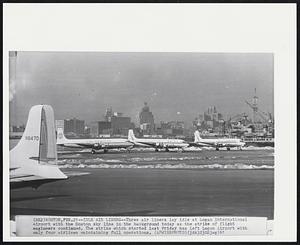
(176, 86)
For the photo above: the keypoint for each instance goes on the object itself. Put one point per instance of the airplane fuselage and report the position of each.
(96, 144)
(160, 143)
(220, 142)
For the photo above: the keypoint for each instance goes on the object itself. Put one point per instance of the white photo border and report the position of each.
(214, 28)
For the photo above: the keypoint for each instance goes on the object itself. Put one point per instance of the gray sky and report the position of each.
(84, 84)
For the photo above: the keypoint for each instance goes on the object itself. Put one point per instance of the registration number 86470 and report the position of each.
(32, 138)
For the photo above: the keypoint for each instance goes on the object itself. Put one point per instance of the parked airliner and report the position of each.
(217, 143)
(33, 161)
(93, 144)
(156, 143)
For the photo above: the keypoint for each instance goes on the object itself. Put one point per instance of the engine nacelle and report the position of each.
(160, 145)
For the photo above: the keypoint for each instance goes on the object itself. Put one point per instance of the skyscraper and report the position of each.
(74, 126)
(120, 125)
(146, 120)
(108, 114)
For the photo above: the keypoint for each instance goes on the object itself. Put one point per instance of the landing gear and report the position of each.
(105, 150)
(156, 149)
(93, 151)
(129, 149)
(228, 148)
(217, 148)
(167, 149)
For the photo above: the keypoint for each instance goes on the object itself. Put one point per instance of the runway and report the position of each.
(206, 183)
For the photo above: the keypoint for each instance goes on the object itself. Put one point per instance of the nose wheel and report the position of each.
(93, 151)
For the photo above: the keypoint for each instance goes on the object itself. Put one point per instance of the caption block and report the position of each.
(27, 225)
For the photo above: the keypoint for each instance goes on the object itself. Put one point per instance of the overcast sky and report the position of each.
(83, 85)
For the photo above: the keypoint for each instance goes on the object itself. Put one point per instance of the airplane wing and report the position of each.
(199, 144)
(75, 173)
(147, 144)
(85, 145)
(151, 144)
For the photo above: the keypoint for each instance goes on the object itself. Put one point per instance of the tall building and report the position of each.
(74, 126)
(59, 124)
(94, 129)
(87, 131)
(210, 120)
(146, 120)
(108, 114)
(120, 124)
(114, 123)
(104, 127)
(172, 128)
(198, 121)
(100, 128)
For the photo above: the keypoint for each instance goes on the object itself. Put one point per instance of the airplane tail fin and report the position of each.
(37, 146)
(197, 136)
(60, 136)
(131, 136)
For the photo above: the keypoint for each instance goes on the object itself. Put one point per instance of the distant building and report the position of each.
(94, 129)
(176, 124)
(201, 118)
(114, 124)
(120, 125)
(210, 123)
(74, 126)
(17, 128)
(146, 120)
(220, 117)
(108, 114)
(104, 127)
(16, 132)
(87, 130)
(100, 127)
(172, 128)
(211, 120)
(59, 124)
(198, 122)
(145, 127)
(118, 114)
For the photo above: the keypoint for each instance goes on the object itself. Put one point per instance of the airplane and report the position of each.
(93, 144)
(156, 143)
(33, 161)
(217, 143)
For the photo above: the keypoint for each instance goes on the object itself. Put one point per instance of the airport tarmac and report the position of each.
(200, 183)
